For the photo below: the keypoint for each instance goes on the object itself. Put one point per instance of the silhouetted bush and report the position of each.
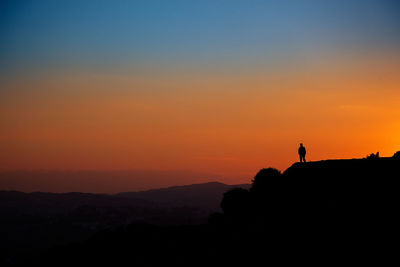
(236, 202)
(373, 156)
(263, 179)
(397, 155)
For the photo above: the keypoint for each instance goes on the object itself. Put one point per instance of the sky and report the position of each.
(217, 88)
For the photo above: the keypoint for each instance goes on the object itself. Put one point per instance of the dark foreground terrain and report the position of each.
(334, 212)
(31, 223)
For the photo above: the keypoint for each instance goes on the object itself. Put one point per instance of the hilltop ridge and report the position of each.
(345, 184)
(357, 177)
(340, 164)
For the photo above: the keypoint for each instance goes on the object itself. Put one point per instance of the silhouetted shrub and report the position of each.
(397, 155)
(236, 202)
(263, 179)
(373, 156)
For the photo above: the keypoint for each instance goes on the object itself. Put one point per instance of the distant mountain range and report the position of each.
(206, 196)
(98, 181)
(40, 220)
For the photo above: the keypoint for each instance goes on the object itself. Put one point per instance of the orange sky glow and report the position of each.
(226, 124)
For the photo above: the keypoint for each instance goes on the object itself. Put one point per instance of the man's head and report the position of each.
(301, 144)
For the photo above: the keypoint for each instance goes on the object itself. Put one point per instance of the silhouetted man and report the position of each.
(302, 153)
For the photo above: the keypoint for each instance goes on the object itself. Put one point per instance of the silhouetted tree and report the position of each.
(235, 202)
(264, 179)
(397, 155)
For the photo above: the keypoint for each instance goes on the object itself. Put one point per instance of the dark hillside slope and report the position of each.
(318, 213)
(354, 185)
(34, 222)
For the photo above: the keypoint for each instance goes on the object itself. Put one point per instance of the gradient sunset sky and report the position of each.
(215, 87)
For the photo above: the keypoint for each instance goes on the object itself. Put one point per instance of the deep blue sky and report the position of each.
(111, 34)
